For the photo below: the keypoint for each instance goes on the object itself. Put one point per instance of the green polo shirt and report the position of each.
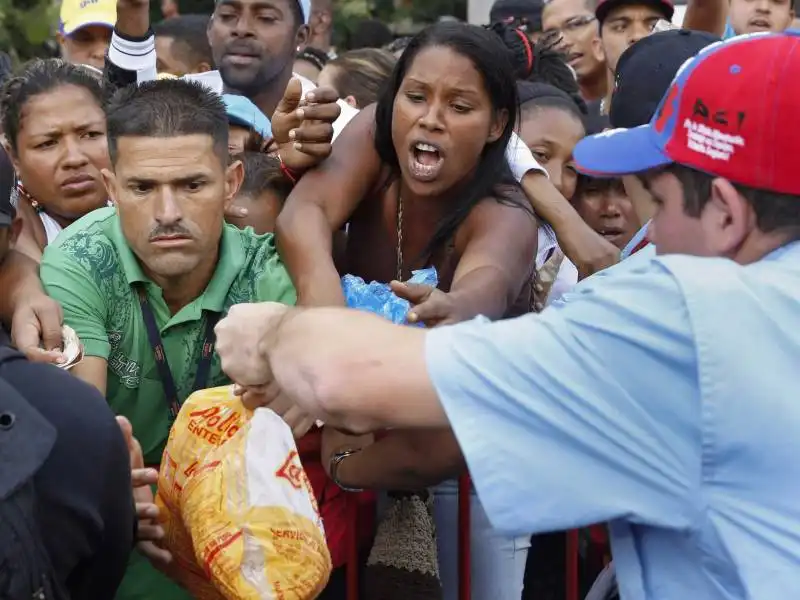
(92, 272)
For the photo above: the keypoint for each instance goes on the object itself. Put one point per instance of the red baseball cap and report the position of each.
(606, 6)
(731, 112)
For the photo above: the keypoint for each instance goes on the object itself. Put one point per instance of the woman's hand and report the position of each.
(429, 305)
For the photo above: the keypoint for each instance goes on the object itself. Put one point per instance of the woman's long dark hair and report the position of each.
(491, 60)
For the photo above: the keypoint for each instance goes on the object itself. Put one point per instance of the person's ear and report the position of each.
(727, 219)
(351, 101)
(597, 49)
(110, 181)
(301, 39)
(498, 126)
(234, 175)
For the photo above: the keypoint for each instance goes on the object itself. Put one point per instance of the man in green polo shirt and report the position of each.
(143, 283)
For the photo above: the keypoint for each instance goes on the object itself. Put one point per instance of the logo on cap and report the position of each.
(667, 109)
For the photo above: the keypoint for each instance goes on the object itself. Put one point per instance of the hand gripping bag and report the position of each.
(240, 518)
(379, 299)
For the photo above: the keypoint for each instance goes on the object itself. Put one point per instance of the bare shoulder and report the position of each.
(507, 210)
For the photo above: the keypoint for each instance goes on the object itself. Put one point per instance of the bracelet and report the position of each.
(336, 460)
(288, 173)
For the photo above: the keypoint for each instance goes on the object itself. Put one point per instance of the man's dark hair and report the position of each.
(262, 173)
(190, 40)
(167, 108)
(196, 7)
(297, 14)
(774, 212)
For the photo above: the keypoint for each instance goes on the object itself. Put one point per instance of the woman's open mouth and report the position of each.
(425, 161)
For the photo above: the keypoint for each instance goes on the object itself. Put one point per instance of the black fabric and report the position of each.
(83, 504)
(525, 13)
(645, 71)
(595, 121)
(26, 440)
(115, 78)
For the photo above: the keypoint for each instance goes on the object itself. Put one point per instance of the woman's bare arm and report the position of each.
(320, 204)
(497, 245)
(406, 459)
(589, 251)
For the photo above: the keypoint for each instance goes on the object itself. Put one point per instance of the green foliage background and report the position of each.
(26, 27)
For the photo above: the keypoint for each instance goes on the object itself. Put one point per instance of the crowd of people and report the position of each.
(607, 199)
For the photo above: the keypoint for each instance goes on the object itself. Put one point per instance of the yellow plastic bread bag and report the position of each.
(237, 507)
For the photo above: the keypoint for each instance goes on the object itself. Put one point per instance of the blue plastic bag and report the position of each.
(379, 299)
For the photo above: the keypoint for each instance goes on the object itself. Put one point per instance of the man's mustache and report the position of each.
(245, 48)
(171, 231)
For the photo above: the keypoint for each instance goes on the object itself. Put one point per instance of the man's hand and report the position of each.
(149, 532)
(133, 17)
(302, 128)
(429, 305)
(270, 396)
(36, 328)
(242, 335)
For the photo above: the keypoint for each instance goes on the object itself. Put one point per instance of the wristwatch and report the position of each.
(336, 460)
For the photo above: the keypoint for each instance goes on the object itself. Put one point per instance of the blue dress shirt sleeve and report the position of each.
(587, 412)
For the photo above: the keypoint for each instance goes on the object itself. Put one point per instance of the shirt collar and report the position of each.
(790, 250)
(635, 241)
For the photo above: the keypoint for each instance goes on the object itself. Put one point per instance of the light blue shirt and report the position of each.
(628, 263)
(635, 241)
(664, 401)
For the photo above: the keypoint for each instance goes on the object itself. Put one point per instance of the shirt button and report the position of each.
(7, 420)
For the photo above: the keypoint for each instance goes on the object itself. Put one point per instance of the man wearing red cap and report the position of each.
(663, 400)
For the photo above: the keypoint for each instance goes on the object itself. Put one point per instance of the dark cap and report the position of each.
(7, 181)
(520, 13)
(645, 71)
(606, 6)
